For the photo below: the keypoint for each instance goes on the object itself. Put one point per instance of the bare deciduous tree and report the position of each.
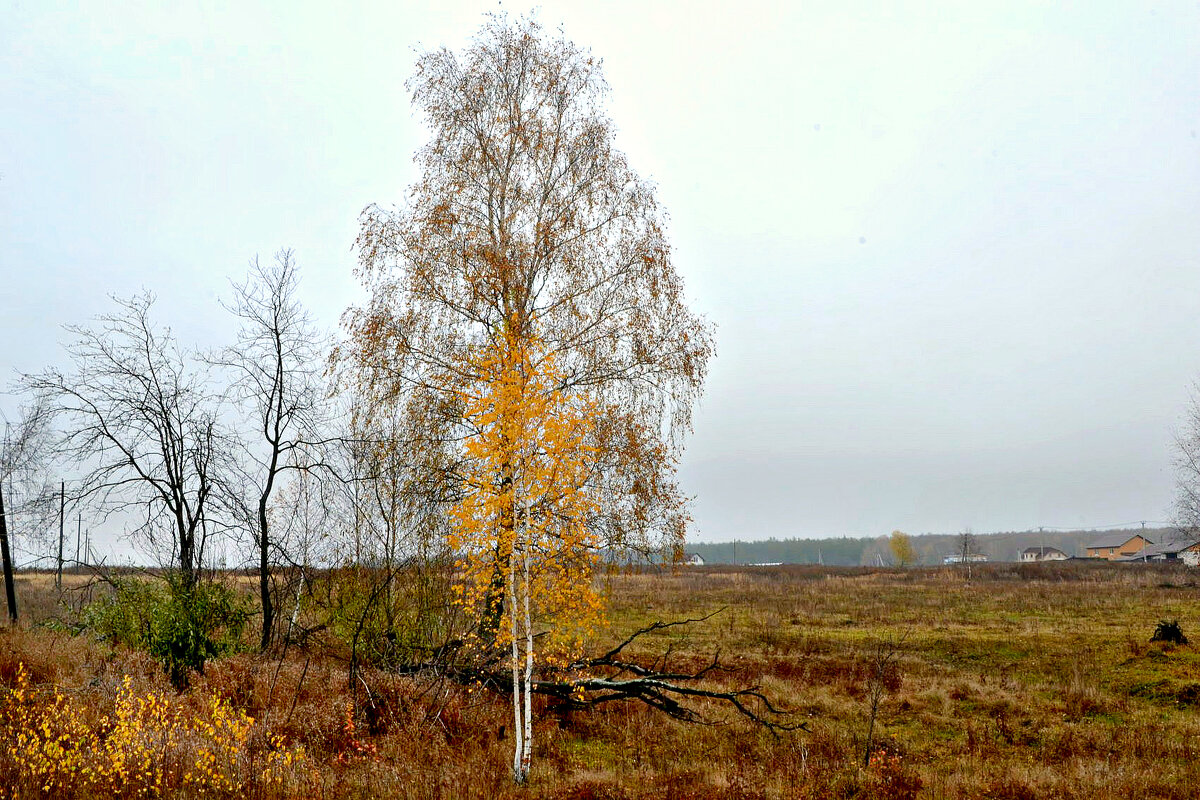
(967, 547)
(883, 677)
(22, 454)
(140, 421)
(1187, 469)
(394, 552)
(276, 364)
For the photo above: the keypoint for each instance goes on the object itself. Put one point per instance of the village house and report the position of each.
(1043, 554)
(1117, 545)
(1185, 550)
(693, 559)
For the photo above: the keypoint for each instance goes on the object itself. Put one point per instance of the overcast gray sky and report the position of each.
(952, 251)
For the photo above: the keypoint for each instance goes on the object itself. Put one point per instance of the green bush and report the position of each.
(385, 617)
(182, 626)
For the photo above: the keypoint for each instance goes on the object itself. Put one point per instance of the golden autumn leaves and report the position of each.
(520, 526)
(525, 501)
(151, 744)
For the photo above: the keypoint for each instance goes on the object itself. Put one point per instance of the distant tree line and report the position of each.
(929, 548)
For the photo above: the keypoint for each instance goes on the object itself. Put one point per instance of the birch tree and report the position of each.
(525, 502)
(903, 553)
(527, 211)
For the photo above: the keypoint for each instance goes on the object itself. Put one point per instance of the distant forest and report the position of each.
(930, 547)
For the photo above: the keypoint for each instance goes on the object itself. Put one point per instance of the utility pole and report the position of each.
(78, 538)
(10, 592)
(62, 521)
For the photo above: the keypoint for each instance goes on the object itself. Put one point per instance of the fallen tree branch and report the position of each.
(578, 687)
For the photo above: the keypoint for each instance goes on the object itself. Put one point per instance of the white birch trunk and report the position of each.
(519, 745)
(527, 753)
(299, 595)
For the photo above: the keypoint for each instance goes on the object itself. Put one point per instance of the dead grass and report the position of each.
(1031, 681)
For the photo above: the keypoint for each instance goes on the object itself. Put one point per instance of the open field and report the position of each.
(1027, 681)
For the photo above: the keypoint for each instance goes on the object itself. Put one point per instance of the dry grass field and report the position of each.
(1031, 681)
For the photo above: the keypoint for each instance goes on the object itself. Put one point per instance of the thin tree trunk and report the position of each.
(299, 594)
(264, 535)
(187, 556)
(10, 591)
(518, 745)
(871, 728)
(527, 750)
(62, 523)
(264, 575)
(493, 601)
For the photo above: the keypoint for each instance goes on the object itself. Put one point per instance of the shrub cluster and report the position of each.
(180, 624)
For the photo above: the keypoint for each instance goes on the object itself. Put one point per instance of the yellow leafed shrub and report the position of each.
(149, 745)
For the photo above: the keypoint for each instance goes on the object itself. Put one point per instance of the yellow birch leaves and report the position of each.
(525, 489)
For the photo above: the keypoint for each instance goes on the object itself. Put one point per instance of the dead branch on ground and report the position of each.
(594, 681)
